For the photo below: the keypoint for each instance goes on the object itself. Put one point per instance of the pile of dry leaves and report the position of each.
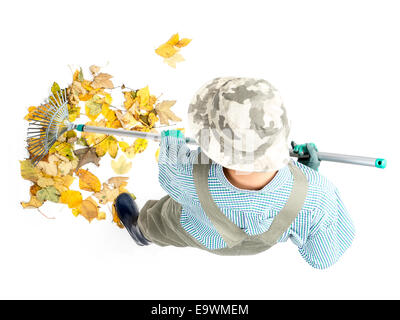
(91, 101)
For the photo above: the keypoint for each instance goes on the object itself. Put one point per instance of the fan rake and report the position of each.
(50, 120)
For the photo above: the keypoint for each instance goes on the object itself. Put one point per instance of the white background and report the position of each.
(336, 64)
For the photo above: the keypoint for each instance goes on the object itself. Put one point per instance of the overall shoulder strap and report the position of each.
(291, 209)
(229, 231)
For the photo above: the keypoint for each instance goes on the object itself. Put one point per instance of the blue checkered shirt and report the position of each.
(322, 231)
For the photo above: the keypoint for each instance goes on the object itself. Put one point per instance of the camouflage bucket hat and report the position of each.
(241, 124)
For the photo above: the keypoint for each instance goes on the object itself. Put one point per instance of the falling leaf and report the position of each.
(174, 39)
(170, 50)
(164, 112)
(72, 198)
(121, 166)
(157, 154)
(102, 80)
(172, 61)
(49, 193)
(183, 42)
(166, 50)
(88, 181)
(87, 155)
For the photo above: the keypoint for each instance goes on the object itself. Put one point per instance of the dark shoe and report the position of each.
(128, 213)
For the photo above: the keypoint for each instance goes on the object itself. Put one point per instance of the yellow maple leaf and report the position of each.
(88, 181)
(166, 50)
(183, 42)
(121, 166)
(174, 39)
(170, 50)
(172, 61)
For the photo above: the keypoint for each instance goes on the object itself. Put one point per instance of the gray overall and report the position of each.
(159, 220)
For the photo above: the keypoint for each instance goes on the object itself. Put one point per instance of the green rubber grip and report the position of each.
(80, 127)
(380, 163)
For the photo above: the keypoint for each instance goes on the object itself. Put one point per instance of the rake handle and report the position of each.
(325, 156)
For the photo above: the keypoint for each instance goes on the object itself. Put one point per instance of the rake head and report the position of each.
(46, 124)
